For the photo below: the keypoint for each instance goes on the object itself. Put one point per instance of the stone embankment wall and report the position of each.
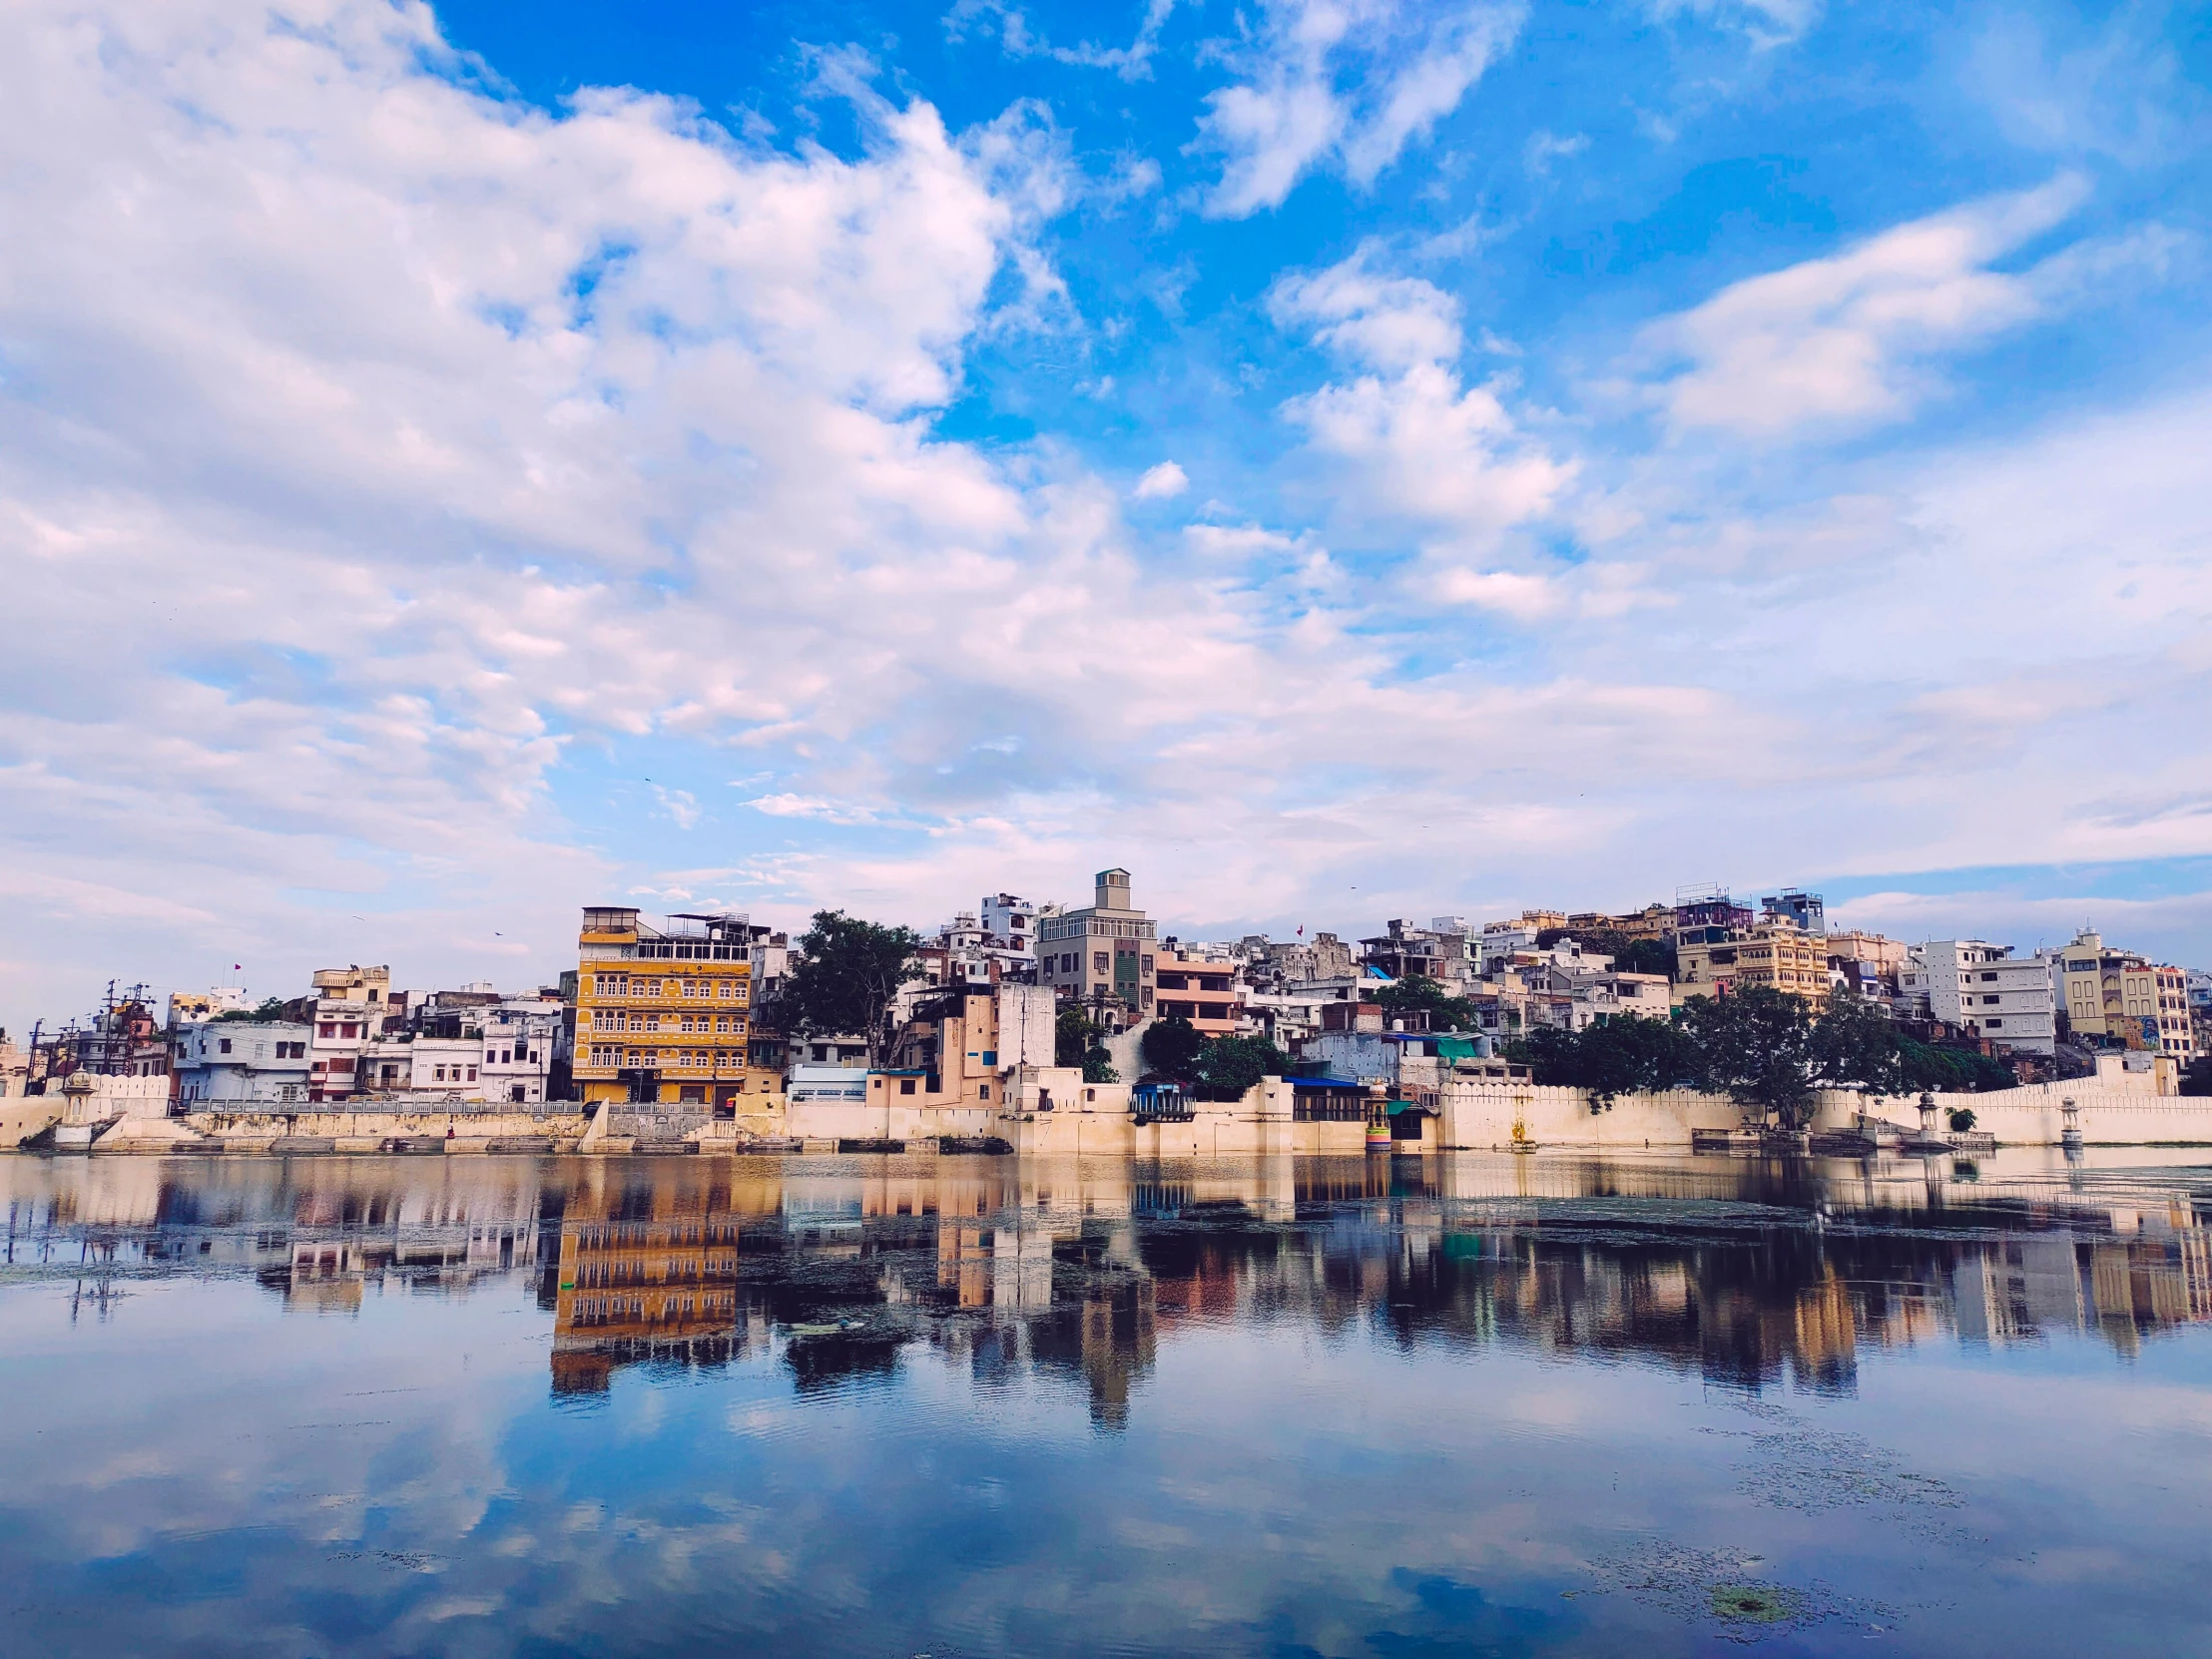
(1485, 1114)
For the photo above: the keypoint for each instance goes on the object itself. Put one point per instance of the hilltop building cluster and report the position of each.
(683, 1013)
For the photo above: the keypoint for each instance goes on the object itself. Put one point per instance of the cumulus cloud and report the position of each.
(1345, 81)
(1847, 339)
(1162, 483)
(1414, 440)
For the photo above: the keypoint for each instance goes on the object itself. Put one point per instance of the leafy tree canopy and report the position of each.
(1755, 1045)
(1172, 1047)
(2196, 1076)
(1625, 1055)
(1418, 993)
(850, 973)
(1228, 1066)
(1073, 1036)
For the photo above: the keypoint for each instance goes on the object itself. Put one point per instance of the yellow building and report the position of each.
(1774, 954)
(2119, 997)
(664, 1014)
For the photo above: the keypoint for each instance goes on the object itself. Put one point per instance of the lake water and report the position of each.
(964, 1406)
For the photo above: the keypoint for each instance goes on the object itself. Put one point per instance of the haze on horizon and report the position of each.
(1336, 461)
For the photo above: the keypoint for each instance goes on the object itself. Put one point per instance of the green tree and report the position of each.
(1626, 1054)
(1956, 1070)
(1228, 1066)
(1172, 1047)
(1098, 1067)
(1418, 993)
(2196, 1076)
(1855, 1044)
(1755, 1045)
(1629, 1054)
(1962, 1120)
(1073, 1036)
(846, 980)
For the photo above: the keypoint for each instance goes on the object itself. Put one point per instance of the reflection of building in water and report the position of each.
(651, 1274)
(1021, 1269)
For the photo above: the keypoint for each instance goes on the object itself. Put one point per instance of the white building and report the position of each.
(1012, 923)
(197, 1008)
(519, 1042)
(1980, 987)
(352, 1006)
(238, 1062)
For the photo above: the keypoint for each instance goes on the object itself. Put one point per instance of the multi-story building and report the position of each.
(1101, 957)
(241, 1062)
(520, 1038)
(664, 1014)
(1864, 960)
(1445, 951)
(1012, 923)
(1774, 952)
(348, 1007)
(1203, 991)
(1700, 910)
(1982, 990)
(1653, 921)
(1809, 910)
(2120, 998)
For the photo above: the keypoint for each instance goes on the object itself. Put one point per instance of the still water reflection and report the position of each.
(964, 1405)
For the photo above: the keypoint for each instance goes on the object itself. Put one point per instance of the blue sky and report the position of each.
(1339, 461)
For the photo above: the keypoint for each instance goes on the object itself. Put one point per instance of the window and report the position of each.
(983, 1093)
(342, 1065)
(905, 1085)
(329, 1029)
(224, 1044)
(1145, 968)
(990, 1056)
(472, 1074)
(352, 1029)
(1990, 999)
(1100, 961)
(1993, 1024)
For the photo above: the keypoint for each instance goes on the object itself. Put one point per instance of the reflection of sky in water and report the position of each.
(890, 1406)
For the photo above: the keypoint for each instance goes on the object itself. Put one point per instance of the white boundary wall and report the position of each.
(1485, 1115)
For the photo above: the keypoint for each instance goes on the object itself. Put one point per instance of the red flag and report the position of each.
(1301, 930)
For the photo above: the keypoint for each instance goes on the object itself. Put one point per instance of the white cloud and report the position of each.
(1162, 483)
(1416, 442)
(1544, 147)
(1241, 541)
(681, 805)
(1764, 22)
(385, 467)
(1132, 62)
(1342, 79)
(1843, 340)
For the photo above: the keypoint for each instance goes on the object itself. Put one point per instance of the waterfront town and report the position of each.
(1038, 1026)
